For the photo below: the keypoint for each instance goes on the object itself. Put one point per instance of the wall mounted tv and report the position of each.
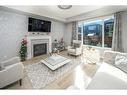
(37, 25)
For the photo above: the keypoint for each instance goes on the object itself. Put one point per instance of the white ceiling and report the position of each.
(72, 14)
(55, 12)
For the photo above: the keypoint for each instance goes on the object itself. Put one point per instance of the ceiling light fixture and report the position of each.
(64, 7)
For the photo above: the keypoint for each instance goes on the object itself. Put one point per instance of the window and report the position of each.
(108, 32)
(79, 32)
(97, 32)
(92, 33)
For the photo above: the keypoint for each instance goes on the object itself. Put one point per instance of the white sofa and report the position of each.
(110, 76)
(12, 72)
(75, 51)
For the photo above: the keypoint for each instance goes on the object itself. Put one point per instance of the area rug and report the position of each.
(40, 75)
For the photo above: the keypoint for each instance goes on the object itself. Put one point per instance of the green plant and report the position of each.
(23, 50)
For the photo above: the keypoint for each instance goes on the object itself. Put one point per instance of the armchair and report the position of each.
(12, 72)
(76, 49)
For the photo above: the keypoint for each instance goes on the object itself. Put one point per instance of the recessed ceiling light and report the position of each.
(64, 7)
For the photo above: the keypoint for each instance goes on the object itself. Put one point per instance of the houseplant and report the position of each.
(23, 50)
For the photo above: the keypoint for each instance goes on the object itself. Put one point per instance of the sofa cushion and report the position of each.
(108, 77)
(1, 66)
(109, 57)
(122, 67)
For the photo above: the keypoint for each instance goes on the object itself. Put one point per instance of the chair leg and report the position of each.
(20, 82)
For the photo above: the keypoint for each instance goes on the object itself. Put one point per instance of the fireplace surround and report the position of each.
(34, 41)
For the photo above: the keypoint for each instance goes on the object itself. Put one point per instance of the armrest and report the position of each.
(11, 74)
(19, 65)
(11, 61)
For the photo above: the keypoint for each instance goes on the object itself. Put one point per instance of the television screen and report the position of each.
(37, 25)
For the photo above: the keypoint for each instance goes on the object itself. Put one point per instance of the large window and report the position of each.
(108, 32)
(79, 32)
(92, 33)
(97, 32)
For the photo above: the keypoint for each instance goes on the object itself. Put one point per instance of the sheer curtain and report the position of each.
(74, 31)
(117, 34)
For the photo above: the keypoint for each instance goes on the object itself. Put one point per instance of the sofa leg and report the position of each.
(20, 82)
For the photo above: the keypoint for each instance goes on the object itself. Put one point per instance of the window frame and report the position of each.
(81, 23)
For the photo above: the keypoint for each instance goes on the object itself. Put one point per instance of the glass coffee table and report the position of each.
(55, 61)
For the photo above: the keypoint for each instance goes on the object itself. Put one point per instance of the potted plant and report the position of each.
(23, 50)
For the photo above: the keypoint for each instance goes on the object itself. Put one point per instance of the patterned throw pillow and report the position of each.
(121, 62)
(76, 45)
(121, 59)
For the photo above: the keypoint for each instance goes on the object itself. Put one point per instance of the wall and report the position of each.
(100, 13)
(68, 33)
(124, 31)
(107, 10)
(57, 30)
(13, 27)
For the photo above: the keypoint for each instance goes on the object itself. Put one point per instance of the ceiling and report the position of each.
(55, 12)
(72, 14)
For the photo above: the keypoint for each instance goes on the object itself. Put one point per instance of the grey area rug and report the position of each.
(40, 75)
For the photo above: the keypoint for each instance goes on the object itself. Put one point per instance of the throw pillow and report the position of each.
(76, 45)
(120, 59)
(121, 62)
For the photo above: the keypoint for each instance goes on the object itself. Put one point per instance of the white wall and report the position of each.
(13, 27)
(57, 30)
(68, 33)
(124, 31)
(107, 10)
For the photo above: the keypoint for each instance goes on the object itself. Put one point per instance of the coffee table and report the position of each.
(55, 61)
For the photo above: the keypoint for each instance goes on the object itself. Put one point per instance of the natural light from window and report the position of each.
(97, 32)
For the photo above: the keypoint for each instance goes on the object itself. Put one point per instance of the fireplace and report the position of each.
(38, 45)
(39, 49)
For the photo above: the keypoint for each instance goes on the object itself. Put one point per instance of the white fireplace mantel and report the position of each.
(37, 40)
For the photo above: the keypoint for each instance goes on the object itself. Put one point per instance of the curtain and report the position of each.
(117, 34)
(74, 31)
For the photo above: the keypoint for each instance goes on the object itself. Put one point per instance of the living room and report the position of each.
(64, 47)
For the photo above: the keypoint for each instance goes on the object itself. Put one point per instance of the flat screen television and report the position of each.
(37, 25)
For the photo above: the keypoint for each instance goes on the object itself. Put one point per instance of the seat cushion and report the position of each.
(2, 67)
(122, 67)
(108, 77)
(71, 50)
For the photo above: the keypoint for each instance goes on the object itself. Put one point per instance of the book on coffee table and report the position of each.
(55, 61)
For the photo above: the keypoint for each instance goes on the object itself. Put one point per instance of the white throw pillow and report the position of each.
(121, 62)
(120, 59)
